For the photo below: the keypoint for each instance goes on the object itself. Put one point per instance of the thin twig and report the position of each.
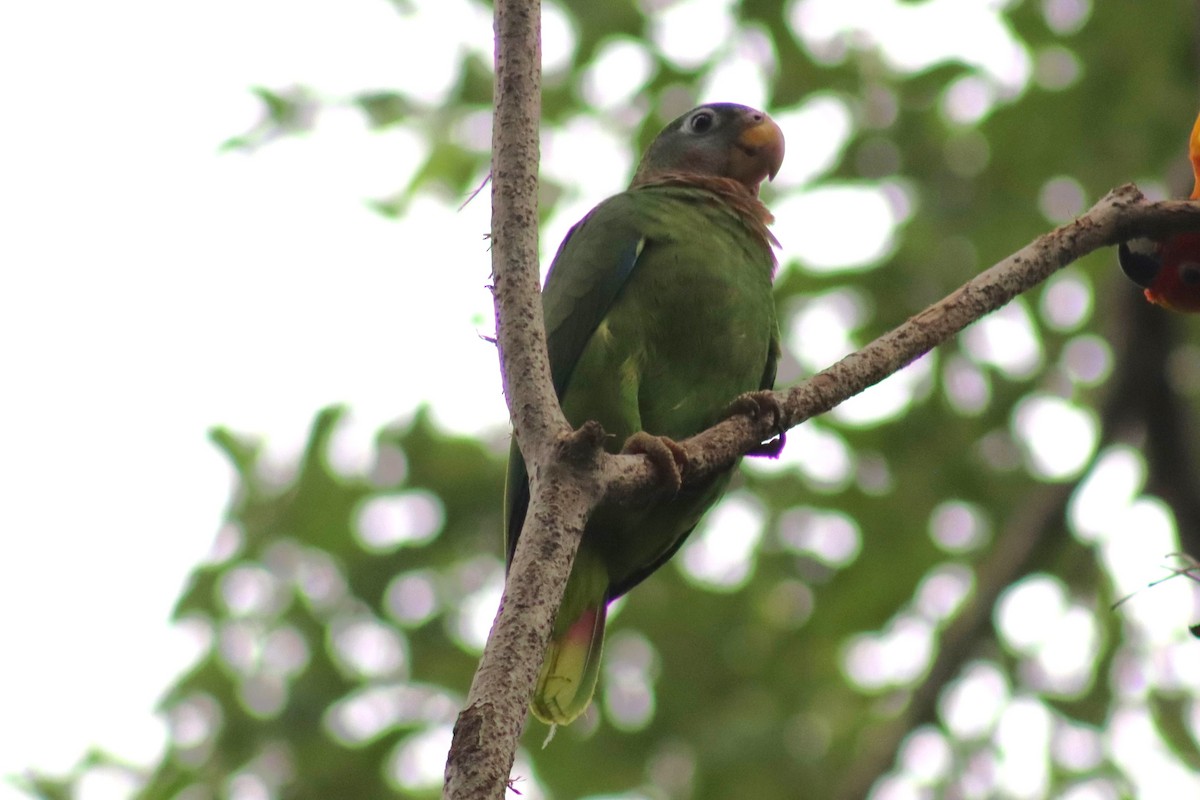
(1192, 570)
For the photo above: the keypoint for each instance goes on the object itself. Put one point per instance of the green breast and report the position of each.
(692, 327)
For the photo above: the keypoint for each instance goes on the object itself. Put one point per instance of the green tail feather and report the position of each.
(568, 677)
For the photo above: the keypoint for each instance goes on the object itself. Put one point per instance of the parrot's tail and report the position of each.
(568, 677)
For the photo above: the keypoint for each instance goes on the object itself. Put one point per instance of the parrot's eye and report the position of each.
(702, 121)
(1189, 273)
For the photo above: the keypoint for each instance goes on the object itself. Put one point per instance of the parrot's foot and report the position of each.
(757, 405)
(669, 459)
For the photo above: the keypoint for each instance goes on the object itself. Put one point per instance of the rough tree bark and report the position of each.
(563, 486)
(571, 474)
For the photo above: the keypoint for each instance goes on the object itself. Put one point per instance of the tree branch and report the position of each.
(561, 463)
(1138, 396)
(1122, 214)
(520, 332)
(570, 473)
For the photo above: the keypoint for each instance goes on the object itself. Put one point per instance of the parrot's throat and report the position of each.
(734, 195)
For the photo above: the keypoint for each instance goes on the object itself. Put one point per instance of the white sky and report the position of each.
(151, 287)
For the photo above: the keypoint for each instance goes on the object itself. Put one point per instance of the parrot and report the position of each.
(1169, 271)
(660, 322)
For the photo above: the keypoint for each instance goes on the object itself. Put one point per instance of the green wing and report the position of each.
(658, 313)
(592, 265)
(678, 245)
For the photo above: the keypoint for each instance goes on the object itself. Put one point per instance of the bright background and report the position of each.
(154, 285)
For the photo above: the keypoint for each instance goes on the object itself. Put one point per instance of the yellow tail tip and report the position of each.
(567, 679)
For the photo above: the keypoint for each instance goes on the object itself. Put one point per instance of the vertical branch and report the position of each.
(563, 468)
(520, 332)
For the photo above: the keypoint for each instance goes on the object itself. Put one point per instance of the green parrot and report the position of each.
(659, 316)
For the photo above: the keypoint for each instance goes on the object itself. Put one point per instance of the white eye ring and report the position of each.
(702, 121)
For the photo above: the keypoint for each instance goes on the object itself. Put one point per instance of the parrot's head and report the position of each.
(1168, 271)
(719, 140)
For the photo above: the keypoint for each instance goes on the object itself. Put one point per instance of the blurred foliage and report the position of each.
(866, 642)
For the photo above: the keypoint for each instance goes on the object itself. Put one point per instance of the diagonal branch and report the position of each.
(569, 471)
(1121, 214)
(1138, 395)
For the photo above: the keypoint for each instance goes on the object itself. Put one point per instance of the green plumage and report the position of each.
(659, 314)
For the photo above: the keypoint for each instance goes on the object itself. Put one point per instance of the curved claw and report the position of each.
(669, 459)
(757, 405)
